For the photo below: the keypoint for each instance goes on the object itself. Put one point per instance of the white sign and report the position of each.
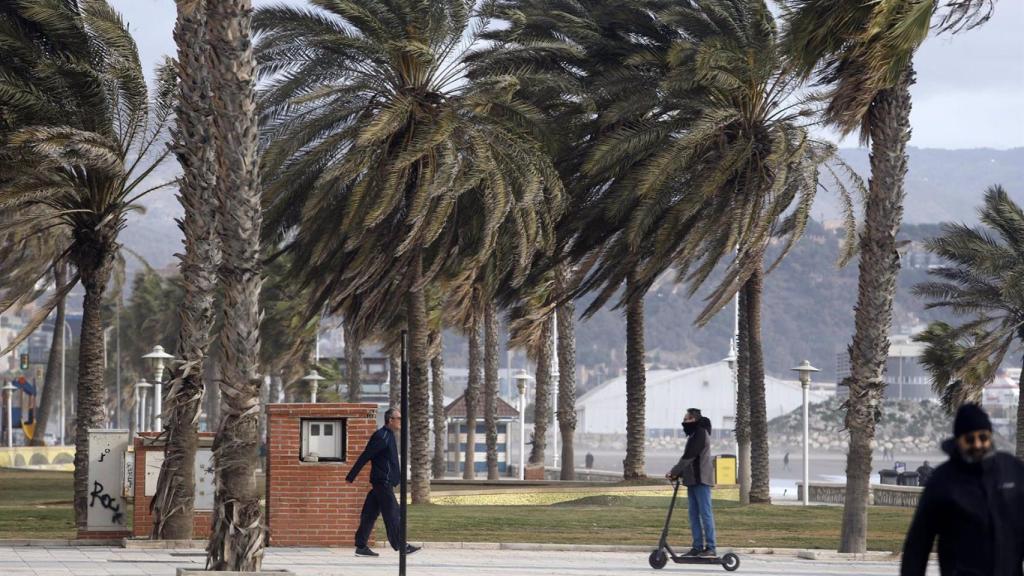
(204, 479)
(129, 475)
(203, 476)
(154, 460)
(107, 509)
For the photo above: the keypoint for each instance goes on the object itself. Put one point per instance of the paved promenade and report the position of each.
(104, 561)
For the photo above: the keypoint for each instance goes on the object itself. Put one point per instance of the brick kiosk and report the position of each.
(310, 449)
(142, 519)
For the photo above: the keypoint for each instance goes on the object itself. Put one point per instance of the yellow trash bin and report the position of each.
(725, 469)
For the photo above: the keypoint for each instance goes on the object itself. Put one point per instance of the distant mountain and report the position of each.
(942, 185)
(808, 305)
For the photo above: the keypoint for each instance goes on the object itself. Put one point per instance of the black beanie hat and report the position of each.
(970, 417)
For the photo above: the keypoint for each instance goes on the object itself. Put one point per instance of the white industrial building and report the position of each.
(670, 392)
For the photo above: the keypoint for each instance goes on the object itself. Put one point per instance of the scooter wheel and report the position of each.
(730, 562)
(658, 559)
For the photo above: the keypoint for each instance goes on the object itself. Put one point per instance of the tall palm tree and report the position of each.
(863, 52)
(542, 353)
(236, 539)
(88, 171)
(490, 318)
(378, 138)
(724, 162)
(566, 320)
(353, 362)
(173, 504)
(472, 396)
(980, 282)
(438, 466)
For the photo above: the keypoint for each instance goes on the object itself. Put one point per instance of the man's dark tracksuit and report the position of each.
(386, 473)
(977, 511)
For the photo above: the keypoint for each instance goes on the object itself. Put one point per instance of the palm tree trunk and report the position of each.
(743, 399)
(94, 270)
(1019, 448)
(51, 387)
(491, 388)
(353, 362)
(636, 379)
(760, 491)
(437, 463)
(419, 389)
(542, 396)
(471, 398)
(394, 380)
(876, 286)
(174, 503)
(566, 376)
(237, 538)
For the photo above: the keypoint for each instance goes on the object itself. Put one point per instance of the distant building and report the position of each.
(905, 377)
(455, 415)
(670, 392)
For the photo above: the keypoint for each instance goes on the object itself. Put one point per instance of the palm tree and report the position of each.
(471, 397)
(173, 504)
(979, 281)
(636, 386)
(438, 467)
(87, 172)
(353, 362)
(490, 317)
(542, 353)
(863, 53)
(378, 140)
(951, 357)
(236, 540)
(724, 162)
(566, 320)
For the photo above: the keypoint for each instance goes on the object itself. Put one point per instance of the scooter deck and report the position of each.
(696, 560)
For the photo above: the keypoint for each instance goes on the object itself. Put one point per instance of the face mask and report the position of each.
(689, 428)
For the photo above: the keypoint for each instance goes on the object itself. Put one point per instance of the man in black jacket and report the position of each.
(696, 473)
(386, 473)
(974, 503)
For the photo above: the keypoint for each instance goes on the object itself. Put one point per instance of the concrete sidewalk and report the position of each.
(107, 561)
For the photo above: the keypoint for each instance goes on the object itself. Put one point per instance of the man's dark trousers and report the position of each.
(379, 501)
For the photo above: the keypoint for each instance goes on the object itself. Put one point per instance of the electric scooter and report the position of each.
(660, 556)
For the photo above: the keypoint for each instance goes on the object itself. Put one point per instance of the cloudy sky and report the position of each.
(969, 91)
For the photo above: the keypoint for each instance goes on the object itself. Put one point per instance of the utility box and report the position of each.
(107, 510)
(725, 469)
(148, 458)
(310, 450)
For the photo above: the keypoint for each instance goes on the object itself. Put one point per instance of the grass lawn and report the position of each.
(639, 520)
(38, 505)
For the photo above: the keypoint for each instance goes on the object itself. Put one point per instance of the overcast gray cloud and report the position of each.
(969, 91)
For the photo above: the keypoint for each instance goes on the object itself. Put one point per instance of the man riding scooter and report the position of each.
(695, 471)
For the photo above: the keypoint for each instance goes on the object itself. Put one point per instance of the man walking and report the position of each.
(973, 504)
(386, 473)
(696, 473)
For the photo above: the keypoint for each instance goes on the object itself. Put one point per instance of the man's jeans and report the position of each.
(702, 520)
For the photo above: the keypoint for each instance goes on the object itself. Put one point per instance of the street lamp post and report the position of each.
(157, 355)
(314, 378)
(804, 370)
(522, 381)
(140, 405)
(9, 388)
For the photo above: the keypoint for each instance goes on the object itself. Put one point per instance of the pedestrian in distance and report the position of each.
(973, 503)
(385, 474)
(695, 471)
(924, 472)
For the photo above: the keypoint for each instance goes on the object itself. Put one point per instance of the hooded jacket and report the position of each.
(382, 450)
(695, 465)
(977, 512)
